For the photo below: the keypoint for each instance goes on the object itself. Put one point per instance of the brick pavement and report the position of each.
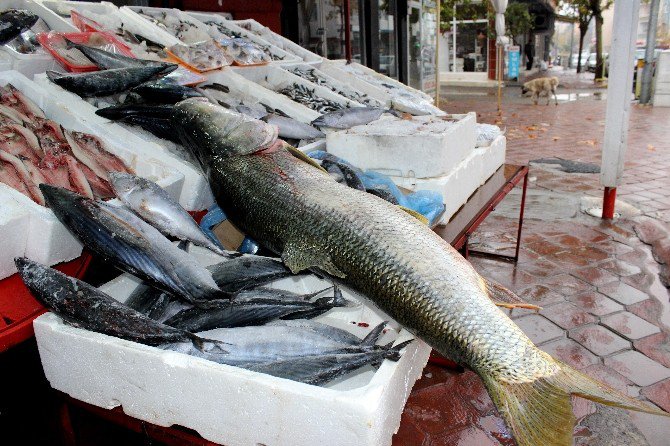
(604, 308)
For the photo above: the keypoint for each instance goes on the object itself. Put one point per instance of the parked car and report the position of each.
(591, 62)
(639, 55)
(574, 60)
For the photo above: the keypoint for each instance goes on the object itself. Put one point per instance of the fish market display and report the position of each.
(307, 97)
(247, 271)
(13, 22)
(35, 150)
(153, 118)
(347, 118)
(399, 263)
(244, 51)
(291, 128)
(134, 246)
(154, 205)
(314, 76)
(177, 25)
(203, 56)
(106, 60)
(165, 91)
(106, 82)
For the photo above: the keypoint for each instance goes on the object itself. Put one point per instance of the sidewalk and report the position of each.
(605, 308)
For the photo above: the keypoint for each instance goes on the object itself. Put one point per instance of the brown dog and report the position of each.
(542, 86)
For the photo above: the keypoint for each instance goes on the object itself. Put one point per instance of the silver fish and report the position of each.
(151, 202)
(347, 118)
(293, 129)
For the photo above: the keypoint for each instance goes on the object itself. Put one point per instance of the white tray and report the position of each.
(29, 229)
(30, 64)
(194, 196)
(230, 405)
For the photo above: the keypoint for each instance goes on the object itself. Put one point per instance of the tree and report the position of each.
(597, 7)
(518, 20)
(582, 11)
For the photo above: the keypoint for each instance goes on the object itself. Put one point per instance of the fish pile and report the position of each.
(313, 75)
(224, 313)
(203, 56)
(19, 29)
(406, 269)
(180, 27)
(35, 150)
(238, 42)
(307, 97)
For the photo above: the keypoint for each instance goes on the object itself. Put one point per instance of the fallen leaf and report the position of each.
(531, 128)
(651, 148)
(590, 142)
(556, 138)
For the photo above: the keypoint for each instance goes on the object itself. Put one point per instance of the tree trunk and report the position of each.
(599, 46)
(582, 34)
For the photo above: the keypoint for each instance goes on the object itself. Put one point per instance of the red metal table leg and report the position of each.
(523, 205)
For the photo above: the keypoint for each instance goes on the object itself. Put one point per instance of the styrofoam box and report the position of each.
(319, 144)
(343, 89)
(230, 405)
(662, 100)
(63, 8)
(195, 194)
(388, 80)
(5, 62)
(137, 24)
(39, 62)
(457, 186)
(333, 69)
(47, 240)
(202, 17)
(280, 41)
(241, 87)
(393, 145)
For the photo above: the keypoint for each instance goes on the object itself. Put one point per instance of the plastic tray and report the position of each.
(47, 40)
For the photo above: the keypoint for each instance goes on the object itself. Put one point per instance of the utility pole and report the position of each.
(645, 94)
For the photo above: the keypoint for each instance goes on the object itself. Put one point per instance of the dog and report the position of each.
(540, 87)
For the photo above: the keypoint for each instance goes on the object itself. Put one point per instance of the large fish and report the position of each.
(405, 268)
(13, 22)
(105, 82)
(106, 60)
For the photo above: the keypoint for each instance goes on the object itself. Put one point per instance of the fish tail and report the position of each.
(539, 412)
(207, 345)
(371, 339)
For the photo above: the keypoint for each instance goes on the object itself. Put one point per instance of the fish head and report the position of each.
(211, 131)
(123, 183)
(20, 18)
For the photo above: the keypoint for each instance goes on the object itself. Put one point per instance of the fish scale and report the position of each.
(400, 264)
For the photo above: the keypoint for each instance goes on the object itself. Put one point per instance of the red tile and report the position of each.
(594, 275)
(596, 303)
(567, 315)
(629, 326)
(623, 293)
(599, 340)
(638, 368)
(659, 394)
(571, 353)
(538, 328)
(657, 347)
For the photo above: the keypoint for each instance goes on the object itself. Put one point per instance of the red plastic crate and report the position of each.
(18, 308)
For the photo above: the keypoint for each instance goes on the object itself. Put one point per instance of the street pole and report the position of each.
(645, 94)
(347, 30)
(572, 41)
(619, 89)
(437, 56)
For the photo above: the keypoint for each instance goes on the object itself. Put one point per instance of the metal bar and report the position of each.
(347, 30)
(523, 206)
(437, 55)
(609, 200)
(402, 43)
(645, 95)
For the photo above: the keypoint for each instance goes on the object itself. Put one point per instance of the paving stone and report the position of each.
(661, 251)
(538, 328)
(567, 315)
(638, 368)
(657, 347)
(649, 310)
(571, 353)
(596, 303)
(567, 285)
(430, 415)
(540, 295)
(608, 376)
(629, 326)
(599, 339)
(623, 293)
(594, 275)
(649, 229)
(659, 394)
(619, 267)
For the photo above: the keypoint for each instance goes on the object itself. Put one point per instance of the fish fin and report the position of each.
(539, 412)
(183, 245)
(415, 214)
(298, 257)
(370, 340)
(302, 157)
(504, 297)
(53, 75)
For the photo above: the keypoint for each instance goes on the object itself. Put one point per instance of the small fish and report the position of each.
(165, 91)
(251, 309)
(347, 118)
(84, 306)
(247, 271)
(105, 82)
(155, 206)
(350, 175)
(106, 60)
(149, 301)
(251, 111)
(13, 22)
(119, 236)
(383, 193)
(293, 129)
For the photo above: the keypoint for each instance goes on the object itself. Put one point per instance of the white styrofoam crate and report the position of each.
(47, 240)
(662, 100)
(230, 405)
(62, 9)
(275, 78)
(14, 228)
(241, 87)
(40, 61)
(203, 31)
(5, 62)
(457, 186)
(339, 87)
(195, 194)
(281, 56)
(280, 41)
(333, 69)
(398, 147)
(137, 24)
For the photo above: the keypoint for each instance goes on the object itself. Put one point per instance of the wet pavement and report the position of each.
(605, 309)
